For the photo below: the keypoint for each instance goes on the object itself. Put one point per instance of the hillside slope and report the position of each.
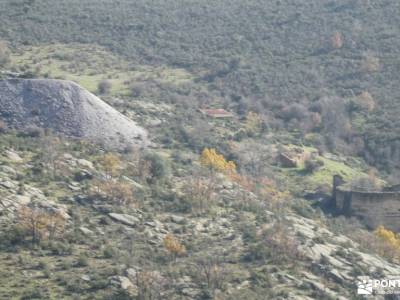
(284, 58)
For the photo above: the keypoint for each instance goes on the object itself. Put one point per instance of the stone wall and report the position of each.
(374, 208)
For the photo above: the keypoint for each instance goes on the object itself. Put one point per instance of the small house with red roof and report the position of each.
(216, 113)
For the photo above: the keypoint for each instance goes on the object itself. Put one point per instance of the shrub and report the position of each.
(370, 63)
(277, 244)
(199, 193)
(158, 167)
(111, 164)
(82, 261)
(39, 223)
(108, 252)
(211, 271)
(150, 285)
(43, 265)
(66, 264)
(366, 183)
(32, 131)
(253, 124)
(312, 164)
(104, 87)
(117, 192)
(294, 111)
(366, 101)
(60, 248)
(173, 246)
(34, 293)
(16, 235)
(137, 89)
(45, 268)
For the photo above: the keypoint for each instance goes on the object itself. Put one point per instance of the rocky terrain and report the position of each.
(66, 108)
(322, 264)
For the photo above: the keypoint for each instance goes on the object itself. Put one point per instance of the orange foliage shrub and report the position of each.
(118, 192)
(39, 223)
(174, 247)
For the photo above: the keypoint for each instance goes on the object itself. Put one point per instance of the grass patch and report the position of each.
(88, 65)
(323, 175)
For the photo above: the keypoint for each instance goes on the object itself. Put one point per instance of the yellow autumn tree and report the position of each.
(111, 163)
(211, 159)
(173, 246)
(391, 242)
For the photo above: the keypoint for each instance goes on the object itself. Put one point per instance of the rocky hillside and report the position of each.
(228, 208)
(66, 108)
(161, 239)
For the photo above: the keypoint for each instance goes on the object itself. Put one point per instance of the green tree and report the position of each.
(158, 166)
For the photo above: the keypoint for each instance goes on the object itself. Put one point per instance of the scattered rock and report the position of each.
(85, 163)
(68, 156)
(131, 273)
(8, 170)
(124, 283)
(85, 278)
(83, 175)
(13, 156)
(8, 184)
(125, 219)
(178, 219)
(86, 231)
(74, 186)
(22, 199)
(134, 183)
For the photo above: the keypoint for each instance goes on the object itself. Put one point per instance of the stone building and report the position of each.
(374, 208)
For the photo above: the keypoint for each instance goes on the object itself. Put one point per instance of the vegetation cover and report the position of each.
(215, 208)
(297, 63)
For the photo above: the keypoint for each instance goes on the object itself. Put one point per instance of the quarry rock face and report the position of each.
(68, 109)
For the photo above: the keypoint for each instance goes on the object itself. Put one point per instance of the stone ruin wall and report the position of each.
(374, 208)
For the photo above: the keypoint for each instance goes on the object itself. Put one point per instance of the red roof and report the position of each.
(217, 113)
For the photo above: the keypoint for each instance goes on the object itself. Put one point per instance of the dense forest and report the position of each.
(325, 70)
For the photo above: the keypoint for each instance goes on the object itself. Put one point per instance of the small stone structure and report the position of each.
(217, 113)
(374, 208)
(287, 162)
